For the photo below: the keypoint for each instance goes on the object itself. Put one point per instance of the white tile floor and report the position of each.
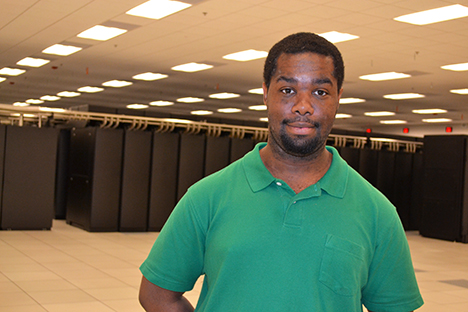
(68, 269)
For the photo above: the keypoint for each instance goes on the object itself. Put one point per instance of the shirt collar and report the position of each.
(334, 182)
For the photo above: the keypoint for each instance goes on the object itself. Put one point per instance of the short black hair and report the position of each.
(300, 43)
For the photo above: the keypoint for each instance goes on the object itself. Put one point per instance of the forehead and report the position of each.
(303, 63)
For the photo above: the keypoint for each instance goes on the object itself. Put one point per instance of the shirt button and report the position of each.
(294, 202)
(278, 183)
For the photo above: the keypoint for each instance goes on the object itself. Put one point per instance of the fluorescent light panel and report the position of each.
(192, 67)
(379, 114)
(61, 49)
(190, 100)
(50, 98)
(101, 33)
(335, 36)
(68, 94)
(117, 83)
(11, 71)
(201, 112)
(34, 101)
(351, 100)
(460, 91)
(265, 119)
(403, 96)
(20, 104)
(157, 9)
(137, 106)
(229, 110)
(256, 91)
(247, 55)
(384, 76)
(32, 62)
(434, 15)
(89, 89)
(342, 116)
(258, 107)
(393, 122)
(2, 79)
(456, 67)
(429, 111)
(224, 95)
(150, 76)
(161, 103)
(437, 120)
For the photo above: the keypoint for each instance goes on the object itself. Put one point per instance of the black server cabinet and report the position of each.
(163, 189)
(216, 154)
(445, 192)
(29, 177)
(136, 166)
(191, 161)
(95, 178)
(240, 147)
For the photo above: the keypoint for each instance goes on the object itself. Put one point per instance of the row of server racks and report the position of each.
(125, 180)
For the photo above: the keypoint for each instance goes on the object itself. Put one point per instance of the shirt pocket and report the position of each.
(343, 266)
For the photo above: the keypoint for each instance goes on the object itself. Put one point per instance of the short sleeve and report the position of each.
(176, 259)
(392, 283)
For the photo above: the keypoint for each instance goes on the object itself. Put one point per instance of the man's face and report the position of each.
(302, 101)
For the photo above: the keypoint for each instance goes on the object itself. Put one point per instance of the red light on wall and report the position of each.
(448, 129)
(405, 130)
(368, 130)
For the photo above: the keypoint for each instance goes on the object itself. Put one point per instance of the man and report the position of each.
(289, 227)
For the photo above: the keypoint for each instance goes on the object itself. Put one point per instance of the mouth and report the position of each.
(301, 127)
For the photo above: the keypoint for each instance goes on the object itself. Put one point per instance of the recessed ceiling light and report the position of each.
(190, 100)
(456, 67)
(429, 111)
(2, 79)
(434, 15)
(50, 98)
(256, 91)
(117, 83)
(229, 110)
(137, 106)
(258, 107)
(101, 33)
(341, 116)
(384, 76)
(335, 37)
(460, 91)
(393, 122)
(379, 114)
(201, 112)
(265, 119)
(89, 89)
(161, 103)
(351, 100)
(34, 101)
(61, 49)
(51, 109)
(68, 94)
(157, 9)
(150, 76)
(403, 96)
(224, 95)
(22, 104)
(437, 120)
(32, 62)
(11, 71)
(247, 55)
(192, 67)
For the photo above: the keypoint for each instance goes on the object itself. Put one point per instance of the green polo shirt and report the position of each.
(334, 246)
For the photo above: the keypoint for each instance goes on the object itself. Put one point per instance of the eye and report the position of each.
(321, 93)
(287, 91)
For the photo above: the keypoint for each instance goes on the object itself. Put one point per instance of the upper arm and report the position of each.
(155, 298)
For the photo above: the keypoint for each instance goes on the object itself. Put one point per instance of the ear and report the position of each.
(265, 93)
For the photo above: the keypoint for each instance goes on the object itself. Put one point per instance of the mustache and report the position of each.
(301, 120)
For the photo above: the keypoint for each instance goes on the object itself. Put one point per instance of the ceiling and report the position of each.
(211, 29)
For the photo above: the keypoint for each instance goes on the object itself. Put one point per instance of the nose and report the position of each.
(304, 104)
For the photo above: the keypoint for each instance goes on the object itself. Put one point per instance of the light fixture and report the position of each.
(11, 71)
(157, 9)
(61, 49)
(24, 115)
(192, 67)
(429, 111)
(335, 36)
(150, 76)
(137, 106)
(256, 91)
(89, 89)
(456, 67)
(342, 116)
(379, 114)
(434, 15)
(2, 79)
(161, 103)
(460, 91)
(68, 94)
(247, 55)
(34, 101)
(201, 112)
(384, 76)
(101, 33)
(265, 119)
(117, 83)
(20, 104)
(190, 100)
(52, 110)
(258, 107)
(229, 110)
(50, 98)
(32, 62)
(393, 122)
(403, 96)
(437, 120)
(351, 100)
(224, 95)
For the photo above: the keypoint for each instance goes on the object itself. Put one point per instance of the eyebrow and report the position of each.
(319, 81)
